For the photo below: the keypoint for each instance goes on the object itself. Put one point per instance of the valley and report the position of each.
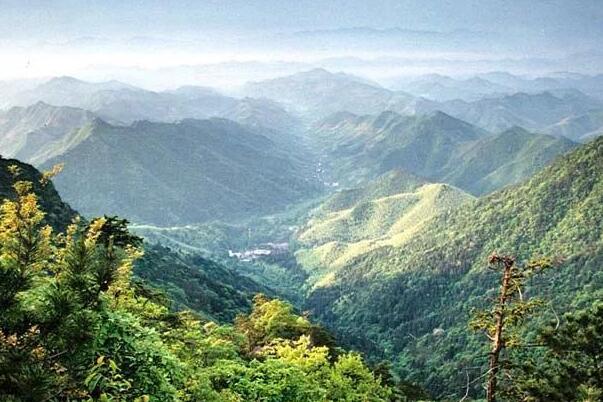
(337, 213)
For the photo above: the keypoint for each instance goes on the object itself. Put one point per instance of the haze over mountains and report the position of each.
(301, 201)
(355, 129)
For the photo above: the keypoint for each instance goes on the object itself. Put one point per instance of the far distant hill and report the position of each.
(178, 173)
(579, 128)
(120, 103)
(318, 93)
(533, 111)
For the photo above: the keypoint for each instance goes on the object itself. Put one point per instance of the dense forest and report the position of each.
(77, 324)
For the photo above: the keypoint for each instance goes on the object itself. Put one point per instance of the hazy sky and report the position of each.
(81, 37)
(130, 17)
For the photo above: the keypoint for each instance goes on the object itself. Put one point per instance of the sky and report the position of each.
(40, 38)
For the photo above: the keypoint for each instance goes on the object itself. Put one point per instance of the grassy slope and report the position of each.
(350, 224)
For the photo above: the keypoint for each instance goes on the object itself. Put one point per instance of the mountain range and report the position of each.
(318, 93)
(436, 146)
(120, 103)
(178, 173)
(493, 106)
(411, 301)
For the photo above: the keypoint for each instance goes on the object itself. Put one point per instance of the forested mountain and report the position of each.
(498, 160)
(40, 131)
(436, 146)
(311, 201)
(352, 223)
(197, 283)
(76, 324)
(191, 281)
(412, 302)
(185, 172)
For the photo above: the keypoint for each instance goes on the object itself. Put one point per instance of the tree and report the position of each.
(570, 364)
(508, 311)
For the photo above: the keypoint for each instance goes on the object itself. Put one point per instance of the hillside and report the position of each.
(191, 281)
(353, 223)
(363, 147)
(435, 146)
(186, 172)
(81, 324)
(58, 213)
(390, 300)
(38, 132)
(507, 158)
(197, 283)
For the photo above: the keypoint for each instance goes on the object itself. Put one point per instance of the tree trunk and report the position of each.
(498, 341)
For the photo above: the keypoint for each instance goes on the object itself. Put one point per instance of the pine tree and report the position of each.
(507, 312)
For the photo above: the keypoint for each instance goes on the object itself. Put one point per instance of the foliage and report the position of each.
(75, 327)
(569, 366)
(411, 303)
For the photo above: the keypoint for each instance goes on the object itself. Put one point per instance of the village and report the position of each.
(261, 251)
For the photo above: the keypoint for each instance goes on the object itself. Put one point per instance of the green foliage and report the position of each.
(197, 283)
(411, 303)
(75, 327)
(57, 213)
(351, 224)
(568, 367)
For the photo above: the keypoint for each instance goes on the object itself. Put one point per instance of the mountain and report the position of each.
(58, 213)
(507, 158)
(353, 222)
(442, 88)
(579, 128)
(412, 302)
(191, 281)
(40, 131)
(64, 91)
(531, 111)
(131, 104)
(119, 103)
(318, 93)
(591, 85)
(264, 114)
(435, 146)
(179, 173)
(361, 147)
